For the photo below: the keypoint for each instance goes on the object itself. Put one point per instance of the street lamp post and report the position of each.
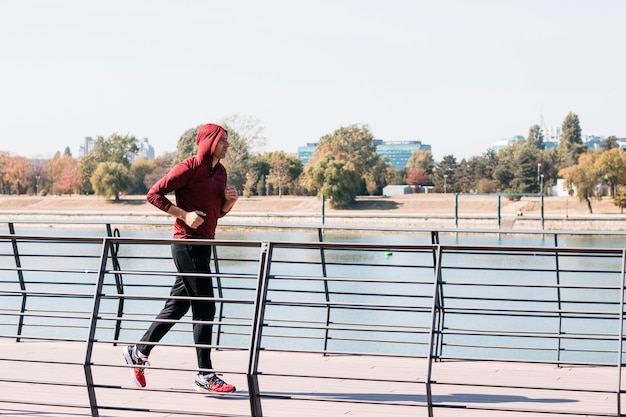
(37, 184)
(541, 184)
(267, 185)
(445, 177)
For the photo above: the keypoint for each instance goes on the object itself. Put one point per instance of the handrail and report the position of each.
(380, 306)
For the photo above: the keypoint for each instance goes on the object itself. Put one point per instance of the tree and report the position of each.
(620, 200)
(535, 137)
(86, 167)
(16, 172)
(444, 175)
(610, 143)
(354, 146)
(187, 146)
(162, 166)
(67, 175)
(571, 145)
(421, 159)
(115, 148)
(111, 178)
(244, 134)
(583, 177)
(138, 172)
(416, 176)
(611, 167)
(335, 179)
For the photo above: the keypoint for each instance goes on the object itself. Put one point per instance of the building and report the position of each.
(86, 147)
(399, 152)
(305, 153)
(396, 152)
(145, 150)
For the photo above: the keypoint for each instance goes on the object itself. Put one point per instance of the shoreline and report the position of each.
(422, 211)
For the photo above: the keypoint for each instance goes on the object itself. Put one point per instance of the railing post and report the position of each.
(456, 210)
(433, 330)
(434, 236)
(93, 321)
(20, 277)
(119, 281)
(620, 345)
(220, 294)
(257, 329)
(558, 299)
(320, 237)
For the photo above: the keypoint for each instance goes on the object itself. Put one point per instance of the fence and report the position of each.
(288, 309)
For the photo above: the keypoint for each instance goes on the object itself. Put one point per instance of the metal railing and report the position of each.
(432, 303)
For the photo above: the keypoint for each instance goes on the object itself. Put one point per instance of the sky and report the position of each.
(458, 75)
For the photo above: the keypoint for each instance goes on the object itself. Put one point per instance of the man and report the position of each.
(202, 196)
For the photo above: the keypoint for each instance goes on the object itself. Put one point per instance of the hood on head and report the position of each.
(207, 138)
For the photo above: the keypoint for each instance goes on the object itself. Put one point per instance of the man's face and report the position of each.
(222, 146)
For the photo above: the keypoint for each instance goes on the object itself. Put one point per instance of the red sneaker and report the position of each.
(212, 383)
(135, 373)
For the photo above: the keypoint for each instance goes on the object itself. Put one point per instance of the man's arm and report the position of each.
(192, 219)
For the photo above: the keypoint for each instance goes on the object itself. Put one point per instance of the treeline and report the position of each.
(344, 165)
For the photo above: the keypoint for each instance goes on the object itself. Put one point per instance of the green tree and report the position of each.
(110, 179)
(444, 177)
(535, 137)
(138, 172)
(620, 199)
(610, 143)
(335, 179)
(115, 148)
(245, 133)
(571, 145)
(354, 145)
(86, 167)
(187, 146)
(421, 159)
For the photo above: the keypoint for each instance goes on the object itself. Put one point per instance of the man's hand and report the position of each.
(194, 219)
(230, 198)
(231, 194)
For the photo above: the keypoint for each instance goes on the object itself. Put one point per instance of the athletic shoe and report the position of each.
(212, 383)
(131, 359)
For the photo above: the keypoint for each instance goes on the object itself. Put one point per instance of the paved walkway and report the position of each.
(47, 379)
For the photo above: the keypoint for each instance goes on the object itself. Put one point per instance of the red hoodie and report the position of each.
(196, 186)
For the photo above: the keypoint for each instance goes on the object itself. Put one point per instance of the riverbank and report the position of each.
(415, 210)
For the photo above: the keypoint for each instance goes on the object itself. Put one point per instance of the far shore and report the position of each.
(413, 210)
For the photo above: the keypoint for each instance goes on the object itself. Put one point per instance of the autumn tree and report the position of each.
(583, 177)
(68, 179)
(161, 166)
(611, 167)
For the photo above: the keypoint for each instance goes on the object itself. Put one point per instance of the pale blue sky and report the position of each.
(456, 74)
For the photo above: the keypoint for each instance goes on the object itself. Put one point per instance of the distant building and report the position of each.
(86, 147)
(397, 152)
(145, 150)
(305, 153)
